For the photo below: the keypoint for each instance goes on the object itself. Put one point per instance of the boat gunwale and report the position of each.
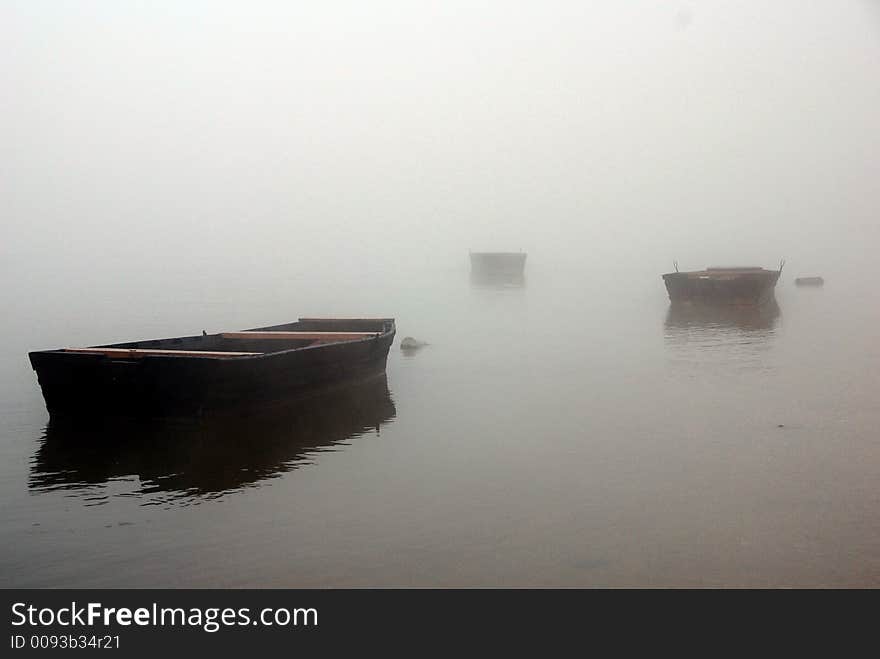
(719, 273)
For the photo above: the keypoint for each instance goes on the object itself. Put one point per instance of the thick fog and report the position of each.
(158, 136)
(178, 167)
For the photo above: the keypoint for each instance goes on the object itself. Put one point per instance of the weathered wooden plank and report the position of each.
(327, 319)
(139, 352)
(310, 336)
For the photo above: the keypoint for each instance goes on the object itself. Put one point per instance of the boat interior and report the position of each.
(248, 343)
(723, 273)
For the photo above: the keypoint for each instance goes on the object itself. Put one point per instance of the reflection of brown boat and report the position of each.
(212, 455)
(701, 316)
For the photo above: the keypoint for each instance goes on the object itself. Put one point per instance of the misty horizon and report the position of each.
(711, 133)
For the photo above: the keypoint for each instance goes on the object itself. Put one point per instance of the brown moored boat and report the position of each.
(731, 285)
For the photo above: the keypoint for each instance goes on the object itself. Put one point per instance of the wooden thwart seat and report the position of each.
(139, 352)
(303, 336)
(338, 320)
(318, 337)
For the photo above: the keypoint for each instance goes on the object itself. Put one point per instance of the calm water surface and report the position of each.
(568, 430)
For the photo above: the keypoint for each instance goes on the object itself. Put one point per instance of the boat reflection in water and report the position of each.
(744, 318)
(498, 280)
(718, 340)
(209, 456)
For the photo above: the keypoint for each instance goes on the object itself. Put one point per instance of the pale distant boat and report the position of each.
(809, 281)
(498, 263)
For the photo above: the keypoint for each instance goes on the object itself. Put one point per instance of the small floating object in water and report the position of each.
(809, 281)
(409, 343)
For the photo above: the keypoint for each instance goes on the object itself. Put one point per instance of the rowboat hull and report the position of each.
(84, 383)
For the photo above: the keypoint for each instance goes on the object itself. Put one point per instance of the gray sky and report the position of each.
(636, 132)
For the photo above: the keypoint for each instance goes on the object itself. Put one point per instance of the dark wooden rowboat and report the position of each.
(722, 285)
(188, 375)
